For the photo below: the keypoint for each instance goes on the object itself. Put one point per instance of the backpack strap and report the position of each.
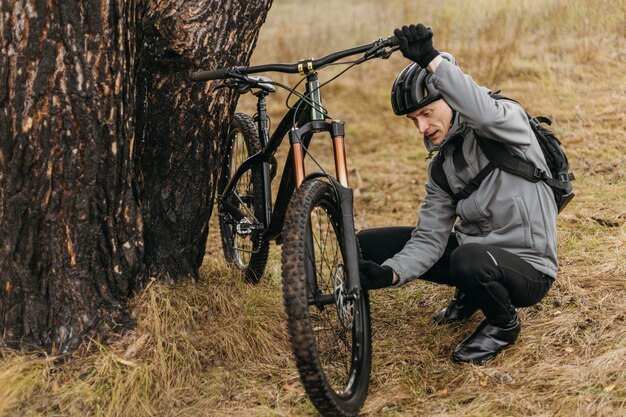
(542, 119)
(562, 183)
(475, 182)
(438, 175)
(500, 157)
(506, 161)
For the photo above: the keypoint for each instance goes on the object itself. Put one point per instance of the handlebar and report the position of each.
(209, 75)
(302, 67)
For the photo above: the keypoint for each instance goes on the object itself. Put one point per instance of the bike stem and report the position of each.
(315, 96)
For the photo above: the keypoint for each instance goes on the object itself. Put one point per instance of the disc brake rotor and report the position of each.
(345, 307)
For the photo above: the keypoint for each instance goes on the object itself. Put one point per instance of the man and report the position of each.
(502, 251)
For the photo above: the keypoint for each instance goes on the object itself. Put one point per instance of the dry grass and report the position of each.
(220, 347)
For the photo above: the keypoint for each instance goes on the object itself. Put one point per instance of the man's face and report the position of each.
(433, 120)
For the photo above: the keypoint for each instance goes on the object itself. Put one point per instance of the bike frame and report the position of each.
(294, 173)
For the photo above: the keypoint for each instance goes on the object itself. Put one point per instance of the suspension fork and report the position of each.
(339, 149)
(336, 130)
(344, 195)
(297, 152)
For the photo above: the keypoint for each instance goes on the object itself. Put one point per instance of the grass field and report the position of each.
(219, 347)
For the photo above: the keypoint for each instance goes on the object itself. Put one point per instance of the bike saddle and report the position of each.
(246, 83)
(264, 83)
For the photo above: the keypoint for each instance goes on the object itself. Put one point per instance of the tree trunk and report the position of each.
(179, 143)
(70, 229)
(97, 126)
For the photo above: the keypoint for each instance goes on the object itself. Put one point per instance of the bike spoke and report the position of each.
(323, 246)
(334, 340)
(339, 335)
(243, 244)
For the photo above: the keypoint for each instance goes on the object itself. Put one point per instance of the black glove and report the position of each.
(416, 44)
(374, 276)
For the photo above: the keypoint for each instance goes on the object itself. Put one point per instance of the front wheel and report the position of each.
(329, 328)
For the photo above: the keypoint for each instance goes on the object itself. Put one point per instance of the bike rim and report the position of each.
(333, 318)
(242, 244)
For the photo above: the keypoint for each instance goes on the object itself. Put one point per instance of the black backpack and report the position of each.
(559, 179)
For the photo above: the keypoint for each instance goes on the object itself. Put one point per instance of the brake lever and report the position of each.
(244, 83)
(380, 51)
(375, 50)
(386, 53)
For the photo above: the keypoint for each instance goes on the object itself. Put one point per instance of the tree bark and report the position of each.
(181, 122)
(70, 228)
(98, 126)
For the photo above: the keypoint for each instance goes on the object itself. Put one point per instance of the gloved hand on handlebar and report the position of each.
(374, 276)
(416, 44)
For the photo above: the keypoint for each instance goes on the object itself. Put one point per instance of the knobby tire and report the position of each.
(331, 396)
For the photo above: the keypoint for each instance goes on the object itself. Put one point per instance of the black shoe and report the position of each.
(459, 309)
(486, 341)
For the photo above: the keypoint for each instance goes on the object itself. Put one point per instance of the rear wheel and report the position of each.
(329, 330)
(242, 240)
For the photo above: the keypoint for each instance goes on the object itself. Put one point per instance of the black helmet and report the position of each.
(407, 93)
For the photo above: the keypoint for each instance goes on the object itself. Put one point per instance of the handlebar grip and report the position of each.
(209, 75)
(393, 41)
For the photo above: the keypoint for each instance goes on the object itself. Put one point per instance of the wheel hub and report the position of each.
(343, 303)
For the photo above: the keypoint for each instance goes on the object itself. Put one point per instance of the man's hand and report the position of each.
(374, 276)
(416, 44)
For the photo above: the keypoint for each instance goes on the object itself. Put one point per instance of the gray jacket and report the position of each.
(506, 211)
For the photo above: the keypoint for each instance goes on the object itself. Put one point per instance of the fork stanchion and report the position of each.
(339, 148)
(298, 156)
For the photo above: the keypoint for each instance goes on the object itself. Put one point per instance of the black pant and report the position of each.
(494, 279)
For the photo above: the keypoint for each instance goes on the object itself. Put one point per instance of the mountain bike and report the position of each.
(312, 216)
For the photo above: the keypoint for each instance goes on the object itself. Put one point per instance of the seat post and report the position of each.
(261, 109)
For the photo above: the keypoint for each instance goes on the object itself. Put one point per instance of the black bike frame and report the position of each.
(273, 219)
(308, 111)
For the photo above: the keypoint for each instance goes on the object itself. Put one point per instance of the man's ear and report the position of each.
(453, 115)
